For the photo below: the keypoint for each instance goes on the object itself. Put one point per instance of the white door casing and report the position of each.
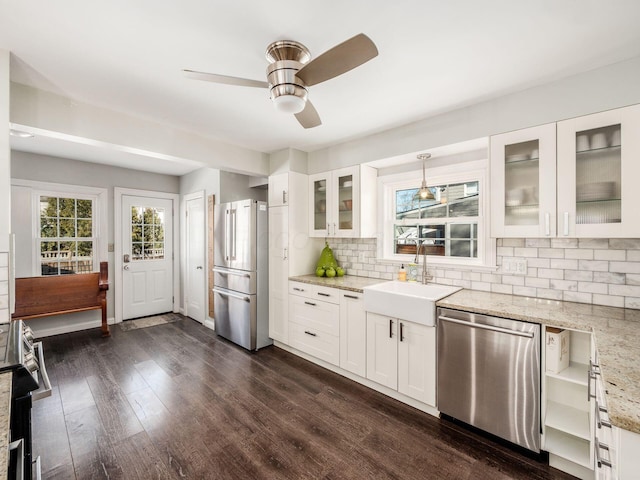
(195, 258)
(160, 285)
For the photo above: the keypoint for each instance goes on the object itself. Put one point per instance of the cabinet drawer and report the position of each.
(315, 342)
(316, 292)
(317, 315)
(301, 289)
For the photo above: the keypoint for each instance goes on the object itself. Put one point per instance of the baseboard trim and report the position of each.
(74, 327)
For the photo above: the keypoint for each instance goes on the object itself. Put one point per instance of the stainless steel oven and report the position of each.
(24, 357)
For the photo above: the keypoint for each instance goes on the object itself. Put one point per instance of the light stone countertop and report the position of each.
(616, 333)
(348, 282)
(5, 411)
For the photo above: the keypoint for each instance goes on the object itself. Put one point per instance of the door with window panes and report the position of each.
(445, 226)
(147, 276)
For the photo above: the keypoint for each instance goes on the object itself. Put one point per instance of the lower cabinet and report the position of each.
(314, 322)
(353, 332)
(401, 355)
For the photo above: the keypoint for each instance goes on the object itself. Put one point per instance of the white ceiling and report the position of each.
(434, 56)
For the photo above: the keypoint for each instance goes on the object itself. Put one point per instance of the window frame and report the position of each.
(99, 223)
(474, 171)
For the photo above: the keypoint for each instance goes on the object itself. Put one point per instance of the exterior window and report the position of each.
(67, 238)
(147, 233)
(446, 226)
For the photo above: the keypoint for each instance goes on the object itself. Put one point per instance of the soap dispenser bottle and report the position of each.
(402, 274)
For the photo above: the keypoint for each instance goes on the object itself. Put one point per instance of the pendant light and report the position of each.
(424, 193)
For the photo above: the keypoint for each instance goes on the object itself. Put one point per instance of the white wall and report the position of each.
(41, 168)
(601, 89)
(234, 186)
(5, 188)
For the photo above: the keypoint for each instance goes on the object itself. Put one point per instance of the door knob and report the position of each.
(126, 267)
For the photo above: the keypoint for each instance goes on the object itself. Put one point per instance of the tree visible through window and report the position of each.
(147, 233)
(66, 235)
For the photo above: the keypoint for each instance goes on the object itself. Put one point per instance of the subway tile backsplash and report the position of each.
(598, 271)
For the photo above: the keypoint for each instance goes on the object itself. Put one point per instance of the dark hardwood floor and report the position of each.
(176, 402)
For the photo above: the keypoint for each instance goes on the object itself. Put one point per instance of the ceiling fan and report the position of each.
(291, 71)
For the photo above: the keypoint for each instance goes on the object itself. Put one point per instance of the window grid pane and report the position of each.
(60, 229)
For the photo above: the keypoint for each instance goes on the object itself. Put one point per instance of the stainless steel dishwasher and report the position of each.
(489, 374)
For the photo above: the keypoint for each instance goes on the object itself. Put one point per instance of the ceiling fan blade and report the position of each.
(309, 117)
(338, 60)
(212, 77)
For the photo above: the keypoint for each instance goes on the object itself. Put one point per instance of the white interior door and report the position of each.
(147, 248)
(195, 278)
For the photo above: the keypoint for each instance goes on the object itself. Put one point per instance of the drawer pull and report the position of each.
(352, 296)
(310, 303)
(310, 333)
(599, 460)
(390, 328)
(323, 294)
(601, 423)
(401, 331)
(298, 289)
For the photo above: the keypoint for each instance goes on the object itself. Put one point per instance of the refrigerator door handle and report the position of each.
(227, 226)
(232, 232)
(233, 295)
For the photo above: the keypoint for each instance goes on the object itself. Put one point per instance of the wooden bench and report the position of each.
(45, 296)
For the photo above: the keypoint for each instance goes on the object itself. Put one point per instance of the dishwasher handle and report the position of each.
(486, 327)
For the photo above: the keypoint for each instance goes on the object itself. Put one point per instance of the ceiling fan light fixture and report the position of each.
(289, 103)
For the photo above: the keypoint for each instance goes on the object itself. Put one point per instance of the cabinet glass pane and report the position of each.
(345, 202)
(598, 175)
(320, 204)
(521, 183)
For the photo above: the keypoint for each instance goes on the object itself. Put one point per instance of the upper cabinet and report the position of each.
(279, 190)
(523, 180)
(576, 178)
(337, 199)
(599, 174)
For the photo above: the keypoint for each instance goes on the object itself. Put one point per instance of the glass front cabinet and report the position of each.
(335, 203)
(576, 178)
(523, 179)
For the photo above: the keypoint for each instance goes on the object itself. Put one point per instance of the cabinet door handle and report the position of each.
(284, 196)
(335, 231)
(351, 296)
(566, 224)
(284, 253)
(310, 333)
(401, 331)
(547, 224)
(310, 303)
(298, 289)
(323, 294)
(390, 328)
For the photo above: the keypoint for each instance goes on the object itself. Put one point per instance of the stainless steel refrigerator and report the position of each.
(240, 272)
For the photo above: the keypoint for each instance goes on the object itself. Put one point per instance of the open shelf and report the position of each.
(567, 446)
(574, 373)
(568, 419)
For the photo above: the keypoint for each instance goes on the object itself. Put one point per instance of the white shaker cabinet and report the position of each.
(289, 248)
(401, 355)
(342, 203)
(279, 189)
(523, 180)
(575, 178)
(353, 333)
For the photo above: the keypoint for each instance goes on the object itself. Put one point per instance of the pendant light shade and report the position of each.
(424, 193)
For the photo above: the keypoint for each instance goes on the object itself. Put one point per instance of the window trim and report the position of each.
(456, 173)
(100, 224)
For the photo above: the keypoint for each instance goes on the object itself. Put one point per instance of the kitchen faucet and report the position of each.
(425, 276)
